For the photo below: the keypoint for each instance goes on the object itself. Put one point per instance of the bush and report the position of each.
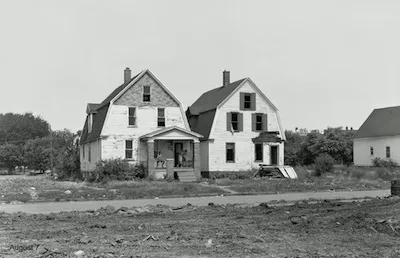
(324, 164)
(118, 169)
(378, 162)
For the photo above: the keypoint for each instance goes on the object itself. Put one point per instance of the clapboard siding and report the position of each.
(244, 147)
(204, 159)
(361, 149)
(95, 153)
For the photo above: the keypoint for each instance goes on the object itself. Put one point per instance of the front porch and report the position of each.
(171, 152)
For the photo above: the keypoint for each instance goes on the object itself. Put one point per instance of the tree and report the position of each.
(11, 156)
(66, 154)
(18, 128)
(37, 154)
(293, 147)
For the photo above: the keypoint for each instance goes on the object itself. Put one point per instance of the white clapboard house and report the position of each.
(135, 122)
(241, 127)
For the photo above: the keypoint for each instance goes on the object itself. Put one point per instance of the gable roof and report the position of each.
(167, 129)
(381, 122)
(202, 111)
(100, 112)
(212, 98)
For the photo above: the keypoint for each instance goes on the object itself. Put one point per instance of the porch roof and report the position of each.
(168, 131)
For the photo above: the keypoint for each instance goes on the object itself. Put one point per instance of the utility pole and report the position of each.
(51, 152)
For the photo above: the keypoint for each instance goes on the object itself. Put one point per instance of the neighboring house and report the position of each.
(378, 136)
(240, 125)
(135, 122)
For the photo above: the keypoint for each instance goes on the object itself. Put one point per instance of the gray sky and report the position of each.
(322, 63)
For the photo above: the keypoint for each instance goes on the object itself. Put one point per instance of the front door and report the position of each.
(274, 155)
(178, 152)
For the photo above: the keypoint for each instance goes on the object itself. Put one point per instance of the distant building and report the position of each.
(378, 136)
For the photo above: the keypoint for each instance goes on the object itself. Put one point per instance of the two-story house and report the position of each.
(241, 127)
(138, 121)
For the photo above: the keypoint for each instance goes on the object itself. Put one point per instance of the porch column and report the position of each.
(196, 163)
(150, 159)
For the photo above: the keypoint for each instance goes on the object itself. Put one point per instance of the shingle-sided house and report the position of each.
(241, 127)
(135, 122)
(378, 136)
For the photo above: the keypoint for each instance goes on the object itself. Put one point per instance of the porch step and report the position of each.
(186, 176)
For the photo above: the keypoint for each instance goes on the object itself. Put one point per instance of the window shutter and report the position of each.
(265, 122)
(240, 118)
(253, 122)
(253, 101)
(241, 101)
(228, 121)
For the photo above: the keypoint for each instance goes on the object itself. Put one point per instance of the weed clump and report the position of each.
(324, 164)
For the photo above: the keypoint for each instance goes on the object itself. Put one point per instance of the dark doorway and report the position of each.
(178, 151)
(274, 155)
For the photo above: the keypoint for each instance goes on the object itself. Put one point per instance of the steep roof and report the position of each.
(211, 99)
(381, 122)
(100, 112)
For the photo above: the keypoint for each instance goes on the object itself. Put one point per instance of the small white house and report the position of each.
(139, 120)
(378, 136)
(241, 127)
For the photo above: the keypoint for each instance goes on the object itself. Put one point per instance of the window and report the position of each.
(83, 151)
(161, 117)
(258, 149)
(128, 149)
(235, 121)
(371, 151)
(90, 123)
(146, 93)
(90, 153)
(247, 101)
(230, 152)
(131, 116)
(388, 152)
(259, 122)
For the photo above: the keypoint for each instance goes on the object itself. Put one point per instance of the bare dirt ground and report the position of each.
(325, 229)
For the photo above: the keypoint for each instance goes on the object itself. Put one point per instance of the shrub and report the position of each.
(118, 169)
(378, 162)
(324, 164)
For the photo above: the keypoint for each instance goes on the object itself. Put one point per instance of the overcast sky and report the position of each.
(322, 63)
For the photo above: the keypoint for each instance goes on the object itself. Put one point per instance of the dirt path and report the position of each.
(50, 207)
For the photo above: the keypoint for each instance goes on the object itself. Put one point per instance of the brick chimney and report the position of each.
(127, 75)
(226, 78)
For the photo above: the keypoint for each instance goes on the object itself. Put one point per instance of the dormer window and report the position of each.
(146, 93)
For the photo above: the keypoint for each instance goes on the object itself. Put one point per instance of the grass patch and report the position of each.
(342, 178)
(43, 188)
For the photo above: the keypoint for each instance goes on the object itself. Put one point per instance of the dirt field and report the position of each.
(326, 229)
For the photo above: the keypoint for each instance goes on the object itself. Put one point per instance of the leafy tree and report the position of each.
(11, 156)
(312, 147)
(293, 147)
(66, 154)
(18, 128)
(37, 154)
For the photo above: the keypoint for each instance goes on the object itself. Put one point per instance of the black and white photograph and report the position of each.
(214, 128)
